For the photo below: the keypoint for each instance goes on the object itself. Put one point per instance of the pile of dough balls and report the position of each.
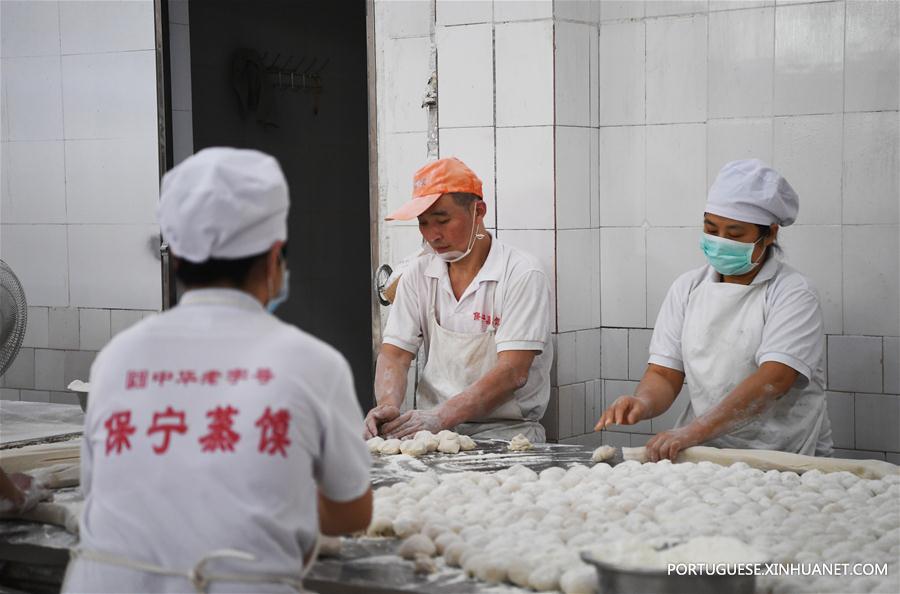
(518, 526)
(424, 442)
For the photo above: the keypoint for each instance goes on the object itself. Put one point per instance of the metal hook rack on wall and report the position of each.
(290, 74)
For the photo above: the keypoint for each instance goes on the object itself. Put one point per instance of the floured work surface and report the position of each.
(38, 553)
(488, 456)
(368, 564)
(24, 423)
(371, 565)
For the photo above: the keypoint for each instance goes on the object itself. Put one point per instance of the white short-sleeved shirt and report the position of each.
(211, 426)
(510, 292)
(793, 333)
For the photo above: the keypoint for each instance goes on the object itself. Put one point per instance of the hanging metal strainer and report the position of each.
(13, 316)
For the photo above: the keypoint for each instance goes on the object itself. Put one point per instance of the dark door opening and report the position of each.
(316, 125)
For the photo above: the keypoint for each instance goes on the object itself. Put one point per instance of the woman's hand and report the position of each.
(667, 444)
(626, 410)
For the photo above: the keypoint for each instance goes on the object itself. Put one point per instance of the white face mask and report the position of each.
(452, 256)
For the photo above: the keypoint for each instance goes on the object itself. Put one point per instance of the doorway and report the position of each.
(311, 113)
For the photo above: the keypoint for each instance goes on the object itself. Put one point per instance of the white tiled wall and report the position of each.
(525, 180)
(466, 82)
(524, 64)
(807, 151)
(741, 46)
(676, 69)
(79, 180)
(602, 161)
(809, 53)
(736, 138)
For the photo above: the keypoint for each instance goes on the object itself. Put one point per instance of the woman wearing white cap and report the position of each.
(746, 331)
(218, 440)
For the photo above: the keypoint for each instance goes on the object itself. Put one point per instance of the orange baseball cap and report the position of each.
(432, 181)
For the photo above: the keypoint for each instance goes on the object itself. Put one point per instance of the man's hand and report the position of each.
(379, 415)
(415, 420)
(667, 444)
(626, 410)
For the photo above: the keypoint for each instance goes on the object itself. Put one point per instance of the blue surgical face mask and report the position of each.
(727, 256)
(283, 293)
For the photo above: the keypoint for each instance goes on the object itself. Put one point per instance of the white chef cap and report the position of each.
(223, 203)
(750, 191)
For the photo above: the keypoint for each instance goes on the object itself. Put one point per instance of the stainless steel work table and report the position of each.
(33, 556)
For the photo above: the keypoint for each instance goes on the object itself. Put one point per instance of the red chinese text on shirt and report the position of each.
(495, 321)
(274, 427)
(135, 380)
(221, 436)
(166, 423)
(138, 379)
(118, 429)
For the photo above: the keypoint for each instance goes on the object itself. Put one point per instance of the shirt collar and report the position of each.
(220, 296)
(491, 270)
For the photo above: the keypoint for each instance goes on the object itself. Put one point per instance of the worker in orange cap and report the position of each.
(480, 309)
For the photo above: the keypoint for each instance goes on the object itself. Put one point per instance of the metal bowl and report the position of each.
(81, 390)
(614, 579)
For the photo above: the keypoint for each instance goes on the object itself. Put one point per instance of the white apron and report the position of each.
(456, 360)
(723, 326)
(199, 577)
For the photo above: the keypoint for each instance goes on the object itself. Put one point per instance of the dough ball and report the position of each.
(444, 540)
(454, 552)
(447, 434)
(375, 444)
(470, 552)
(580, 579)
(417, 544)
(390, 446)
(434, 529)
(519, 443)
(431, 440)
(552, 474)
(423, 564)
(525, 474)
(544, 578)
(413, 447)
(466, 443)
(470, 532)
(429, 479)
(471, 563)
(406, 525)
(381, 526)
(449, 445)
(518, 571)
(488, 482)
(492, 569)
(603, 453)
